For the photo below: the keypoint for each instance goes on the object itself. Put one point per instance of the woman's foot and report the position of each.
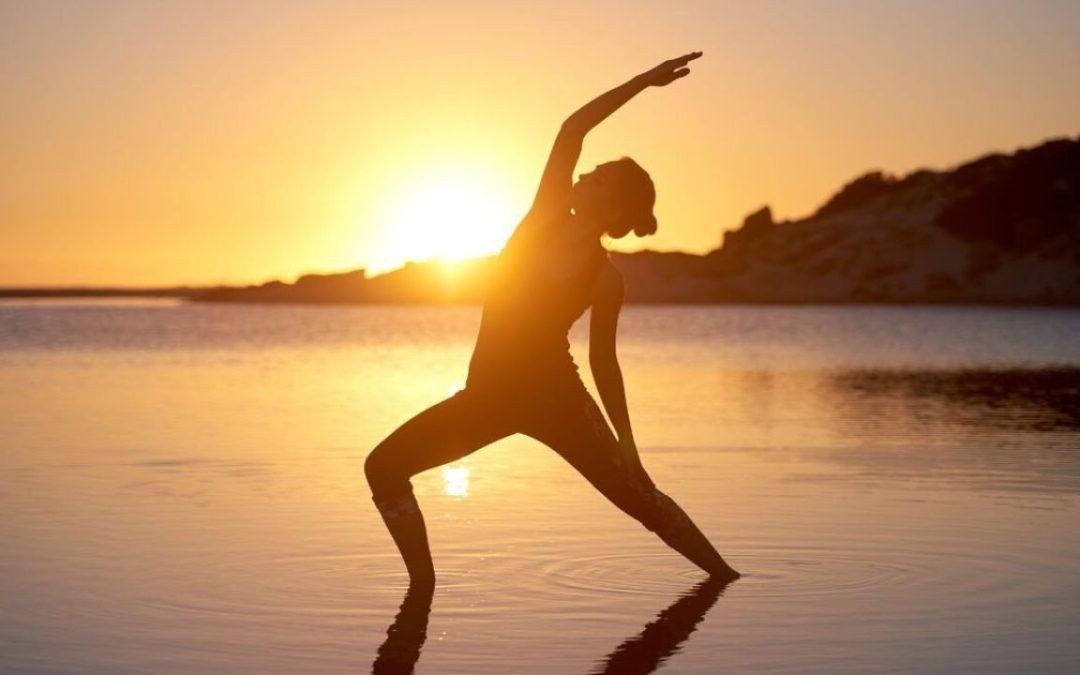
(724, 573)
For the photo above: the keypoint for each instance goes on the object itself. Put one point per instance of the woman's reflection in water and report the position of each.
(405, 637)
(641, 653)
(644, 652)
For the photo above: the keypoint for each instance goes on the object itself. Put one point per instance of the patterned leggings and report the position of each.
(562, 415)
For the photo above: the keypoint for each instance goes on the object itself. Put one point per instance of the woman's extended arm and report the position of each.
(605, 366)
(557, 179)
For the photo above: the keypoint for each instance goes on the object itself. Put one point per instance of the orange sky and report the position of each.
(207, 142)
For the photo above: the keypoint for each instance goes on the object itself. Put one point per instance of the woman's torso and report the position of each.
(536, 293)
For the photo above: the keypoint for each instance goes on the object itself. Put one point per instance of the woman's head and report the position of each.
(618, 197)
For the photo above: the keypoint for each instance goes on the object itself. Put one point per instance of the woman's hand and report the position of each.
(668, 71)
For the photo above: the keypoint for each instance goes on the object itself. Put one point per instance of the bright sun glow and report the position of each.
(445, 215)
(456, 480)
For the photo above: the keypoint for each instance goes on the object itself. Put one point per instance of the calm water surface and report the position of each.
(181, 489)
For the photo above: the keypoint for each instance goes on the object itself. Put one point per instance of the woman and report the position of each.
(522, 378)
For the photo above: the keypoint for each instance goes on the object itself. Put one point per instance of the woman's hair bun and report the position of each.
(647, 227)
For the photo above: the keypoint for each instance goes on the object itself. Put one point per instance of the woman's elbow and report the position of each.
(573, 128)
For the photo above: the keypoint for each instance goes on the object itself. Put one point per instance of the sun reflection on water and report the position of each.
(456, 481)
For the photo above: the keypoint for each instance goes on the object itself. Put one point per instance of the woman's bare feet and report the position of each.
(724, 573)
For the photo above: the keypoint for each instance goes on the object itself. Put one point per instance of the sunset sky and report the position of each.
(154, 143)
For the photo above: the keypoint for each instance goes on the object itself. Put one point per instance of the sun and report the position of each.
(446, 215)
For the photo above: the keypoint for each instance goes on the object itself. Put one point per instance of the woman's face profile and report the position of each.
(596, 199)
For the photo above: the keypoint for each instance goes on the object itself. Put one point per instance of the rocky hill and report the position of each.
(999, 229)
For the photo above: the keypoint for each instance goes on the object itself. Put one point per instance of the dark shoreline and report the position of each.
(184, 292)
(192, 295)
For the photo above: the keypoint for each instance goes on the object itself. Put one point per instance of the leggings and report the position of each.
(560, 414)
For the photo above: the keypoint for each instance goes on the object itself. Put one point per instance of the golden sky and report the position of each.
(149, 143)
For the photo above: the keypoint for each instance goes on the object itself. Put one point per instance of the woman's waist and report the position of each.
(516, 369)
(521, 344)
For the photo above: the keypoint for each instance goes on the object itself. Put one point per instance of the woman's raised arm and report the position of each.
(555, 184)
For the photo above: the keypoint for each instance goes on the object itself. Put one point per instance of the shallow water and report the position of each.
(182, 492)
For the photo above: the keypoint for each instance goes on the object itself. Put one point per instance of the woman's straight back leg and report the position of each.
(570, 422)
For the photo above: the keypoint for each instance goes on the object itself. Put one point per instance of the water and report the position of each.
(182, 492)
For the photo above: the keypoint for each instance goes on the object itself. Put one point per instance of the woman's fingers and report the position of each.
(671, 70)
(684, 59)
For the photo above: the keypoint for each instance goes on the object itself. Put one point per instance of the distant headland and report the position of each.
(1003, 228)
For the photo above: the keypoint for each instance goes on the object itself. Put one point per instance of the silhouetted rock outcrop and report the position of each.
(754, 227)
(1018, 203)
(859, 192)
(1003, 228)
(999, 229)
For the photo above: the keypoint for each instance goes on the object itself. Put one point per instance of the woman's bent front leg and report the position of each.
(443, 433)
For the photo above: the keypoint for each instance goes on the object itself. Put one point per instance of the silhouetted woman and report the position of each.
(522, 378)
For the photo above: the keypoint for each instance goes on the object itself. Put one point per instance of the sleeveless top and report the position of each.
(527, 315)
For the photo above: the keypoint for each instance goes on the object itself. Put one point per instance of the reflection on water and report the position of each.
(182, 491)
(646, 651)
(1014, 429)
(640, 653)
(456, 480)
(1043, 399)
(405, 637)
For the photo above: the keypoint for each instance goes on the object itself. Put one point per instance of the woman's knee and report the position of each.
(382, 472)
